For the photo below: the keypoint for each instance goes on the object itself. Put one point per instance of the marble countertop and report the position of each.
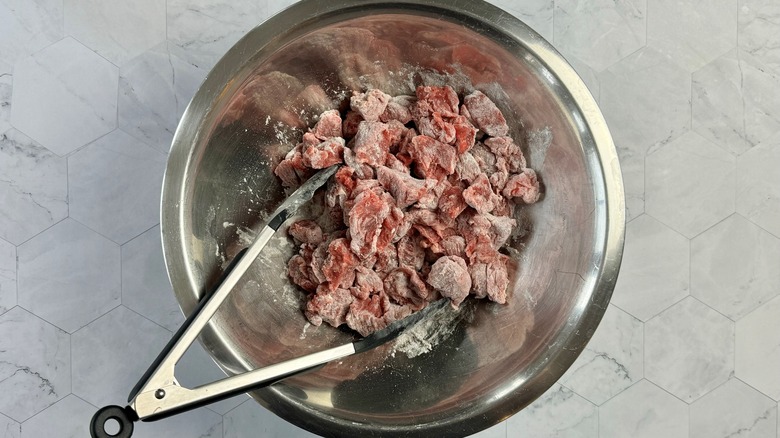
(90, 95)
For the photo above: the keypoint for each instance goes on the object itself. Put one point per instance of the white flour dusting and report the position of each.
(431, 331)
(303, 333)
(245, 235)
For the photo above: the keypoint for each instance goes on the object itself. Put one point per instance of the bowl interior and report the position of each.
(219, 186)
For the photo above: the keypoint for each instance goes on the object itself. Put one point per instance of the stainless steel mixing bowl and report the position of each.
(219, 184)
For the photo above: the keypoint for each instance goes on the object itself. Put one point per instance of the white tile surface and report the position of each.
(68, 418)
(734, 267)
(69, 275)
(758, 185)
(9, 428)
(690, 184)
(28, 26)
(691, 349)
(600, 32)
(736, 101)
(33, 187)
(114, 186)
(643, 411)
(145, 285)
(118, 31)
(733, 410)
(655, 272)
(758, 349)
(558, 413)
(612, 360)
(693, 32)
(34, 361)
(112, 353)
(6, 81)
(759, 30)
(497, 431)
(78, 88)
(7, 276)
(538, 14)
(154, 89)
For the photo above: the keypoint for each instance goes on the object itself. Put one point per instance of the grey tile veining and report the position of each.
(691, 349)
(643, 411)
(693, 32)
(6, 82)
(69, 275)
(34, 361)
(759, 30)
(251, 420)
(33, 187)
(733, 410)
(758, 185)
(79, 89)
(600, 32)
(734, 267)
(28, 26)
(117, 31)
(690, 184)
(68, 418)
(655, 272)
(758, 349)
(145, 285)
(114, 185)
(9, 428)
(154, 89)
(7, 276)
(736, 101)
(558, 413)
(111, 353)
(611, 362)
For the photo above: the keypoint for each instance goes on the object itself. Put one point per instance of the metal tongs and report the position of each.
(158, 394)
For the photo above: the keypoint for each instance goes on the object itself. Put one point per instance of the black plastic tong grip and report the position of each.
(123, 416)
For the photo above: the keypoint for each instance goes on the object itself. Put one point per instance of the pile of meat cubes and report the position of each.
(425, 195)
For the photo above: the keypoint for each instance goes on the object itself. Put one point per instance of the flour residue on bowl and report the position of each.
(431, 331)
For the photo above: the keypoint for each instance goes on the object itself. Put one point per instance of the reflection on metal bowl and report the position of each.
(219, 184)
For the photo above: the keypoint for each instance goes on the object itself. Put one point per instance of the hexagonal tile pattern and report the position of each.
(733, 409)
(154, 89)
(9, 428)
(692, 349)
(7, 276)
(68, 418)
(203, 30)
(145, 285)
(34, 361)
(600, 32)
(33, 187)
(560, 413)
(65, 96)
(69, 275)
(6, 81)
(250, 420)
(200, 423)
(655, 272)
(759, 30)
(758, 349)
(758, 185)
(736, 101)
(692, 32)
(690, 184)
(114, 186)
(114, 350)
(28, 26)
(538, 14)
(734, 267)
(612, 361)
(644, 410)
(117, 31)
